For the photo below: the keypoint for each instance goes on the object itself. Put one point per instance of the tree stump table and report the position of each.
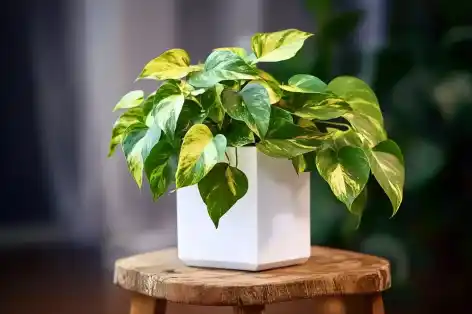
(344, 282)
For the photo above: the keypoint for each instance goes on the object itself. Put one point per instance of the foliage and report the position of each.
(179, 133)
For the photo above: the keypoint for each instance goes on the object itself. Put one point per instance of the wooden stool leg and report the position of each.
(351, 304)
(251, 309)
(142, 304)
(376, 304)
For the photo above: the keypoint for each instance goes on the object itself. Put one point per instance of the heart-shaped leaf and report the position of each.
(238, 134)
(130, 117)
(223, 65)
(278, 46)
(160, 167)
(358, 95)
(251, 105)
(322, 107)
(346, 171)
(386, 162)
(168, 104)
(130, 100)
(304, 83)
(199, 153)
(137, 143)
(172, 64)
(222, 187)
(211, 103)
(366, 117)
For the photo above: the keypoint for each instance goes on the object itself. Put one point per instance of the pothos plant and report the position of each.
(180, 132)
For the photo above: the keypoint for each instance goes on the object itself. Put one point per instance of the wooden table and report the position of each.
(344, 282)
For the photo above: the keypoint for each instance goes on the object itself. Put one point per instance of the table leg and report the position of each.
(250, 309)
(142, 304)
(350, 304)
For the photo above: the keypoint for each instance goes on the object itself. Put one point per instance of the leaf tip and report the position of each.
(216, 222)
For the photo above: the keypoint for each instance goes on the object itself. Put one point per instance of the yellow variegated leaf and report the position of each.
(236, 50)
(304, 83)
(369, 130)
(366, 116)
(321, 106)
(172, 64)
(346, 171)
(386, 162)
(199, 153)
(287, 148)
(223, 186)
(168, 102)
(223, 65)
(278, 46)
(137, 144)
(130, 100)
(130, 117)
(251, 105)
(160, 167)
(358, 95)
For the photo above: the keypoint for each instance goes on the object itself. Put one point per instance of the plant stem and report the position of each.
(227, 157)
(334, 123)
(236, 153)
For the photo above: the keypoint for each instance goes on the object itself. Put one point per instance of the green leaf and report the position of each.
(345, 138)
(366, 117)
(370, 131)
(221, 189)
(270, 84)
(223, 65)
(304, 83)
(168, 104)
(358, 206)
(199, 153)
(137, 143)
(191, 114)
(278, 119)
(251, 105)
(305, 162)
(358, 95)
(236, 50)
(322, 107)
(130, 100)
(278, 46)
(287, 148)
(172, 64)
(287, 140)
(211, 102)
(160, 167)
(130, 117)
(386, 162)
(346, 171)
(238, 134)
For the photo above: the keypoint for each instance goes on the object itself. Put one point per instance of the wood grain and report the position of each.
(328, 272)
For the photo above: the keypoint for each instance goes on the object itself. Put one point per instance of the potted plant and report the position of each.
(239, 146)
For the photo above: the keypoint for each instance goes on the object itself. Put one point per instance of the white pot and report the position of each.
(268, 228)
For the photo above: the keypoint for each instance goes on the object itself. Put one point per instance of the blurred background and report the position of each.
(67, 212)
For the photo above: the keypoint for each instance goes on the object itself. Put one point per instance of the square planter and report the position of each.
(268, 228)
